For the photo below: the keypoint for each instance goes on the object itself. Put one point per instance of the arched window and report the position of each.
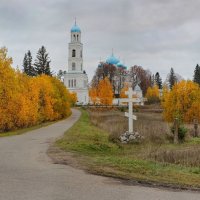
(77, 37)
(81, 67)
(73, 53)
(73, 66)
(74, 37)
(81, 54)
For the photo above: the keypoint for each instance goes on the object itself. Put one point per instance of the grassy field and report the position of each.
(99, 154)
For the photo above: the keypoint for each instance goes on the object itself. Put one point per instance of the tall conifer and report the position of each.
(197, 74)
(42, 62)
(27, 64)
(172, 78)
(158, 80)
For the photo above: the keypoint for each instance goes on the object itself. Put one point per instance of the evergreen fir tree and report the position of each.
(30, 66)
(172, 78)
(42, 62)
(158, 80)
(197, 74)
(27, 64)
(152, 80)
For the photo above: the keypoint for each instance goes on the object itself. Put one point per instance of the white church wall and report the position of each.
(75, 80)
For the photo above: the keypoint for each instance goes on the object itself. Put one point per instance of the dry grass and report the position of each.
(91, 146)
(188, 156)
(157, 144)
(149, 125)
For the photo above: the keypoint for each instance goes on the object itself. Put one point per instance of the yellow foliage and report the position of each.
(73, 98)
(102, 94)
(26, 101)
(123, 90)
(105, 92)
(153, 94)
(93, 95)
(183, 101)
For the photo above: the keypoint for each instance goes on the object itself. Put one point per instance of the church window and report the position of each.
(74, 82)
(73, 66)
(77, 37)
(81, 67)
(73, 53)
(68, 83)
(81, 54)
(74, 37)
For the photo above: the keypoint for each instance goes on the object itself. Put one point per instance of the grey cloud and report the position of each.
(157, 34)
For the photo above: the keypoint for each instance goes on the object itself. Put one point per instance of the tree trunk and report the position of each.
(176, 124)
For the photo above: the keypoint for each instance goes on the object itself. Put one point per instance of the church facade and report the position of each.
(76, 79)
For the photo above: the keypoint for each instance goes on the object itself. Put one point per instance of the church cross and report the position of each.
(130, 100)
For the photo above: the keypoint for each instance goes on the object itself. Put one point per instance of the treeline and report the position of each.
(118, 77)
(41, 64)
(179, 98)
(26, 101)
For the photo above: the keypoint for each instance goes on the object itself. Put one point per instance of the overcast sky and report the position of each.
(156, 34)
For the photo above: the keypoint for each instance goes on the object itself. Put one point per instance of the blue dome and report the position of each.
(112, 60)
(75, 28)
(121, 65)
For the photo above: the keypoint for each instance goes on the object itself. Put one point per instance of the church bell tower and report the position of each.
(75, 57)
(76, 79)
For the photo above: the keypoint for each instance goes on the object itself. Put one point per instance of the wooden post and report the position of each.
(176, 126)
(195, 128)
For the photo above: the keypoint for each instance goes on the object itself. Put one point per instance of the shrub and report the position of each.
(181, 132)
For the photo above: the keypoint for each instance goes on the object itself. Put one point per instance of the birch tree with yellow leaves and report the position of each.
(183, 102)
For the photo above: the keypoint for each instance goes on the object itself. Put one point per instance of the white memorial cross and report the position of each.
(130, 100)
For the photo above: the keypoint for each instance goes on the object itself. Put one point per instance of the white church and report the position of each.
(76, 79)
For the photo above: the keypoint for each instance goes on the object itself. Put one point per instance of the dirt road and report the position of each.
(27, 173)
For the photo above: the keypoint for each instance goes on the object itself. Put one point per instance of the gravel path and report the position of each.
(26, 173)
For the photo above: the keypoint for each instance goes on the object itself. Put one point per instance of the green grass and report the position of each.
(101, 156)
(24, 130)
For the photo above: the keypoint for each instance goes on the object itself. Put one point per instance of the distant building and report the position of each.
(122, 78)
(76, 79)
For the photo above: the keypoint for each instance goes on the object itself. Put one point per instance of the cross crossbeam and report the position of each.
(130, 100)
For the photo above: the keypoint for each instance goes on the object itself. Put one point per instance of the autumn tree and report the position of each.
(93, 94)
(153, 95)
(182, 102)
(105, 92)
(104, 70)
(42, 62)
(73, 98)
(197, 74)
(123, 91)
(26, 101)
(141, 76)
(119, 81)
